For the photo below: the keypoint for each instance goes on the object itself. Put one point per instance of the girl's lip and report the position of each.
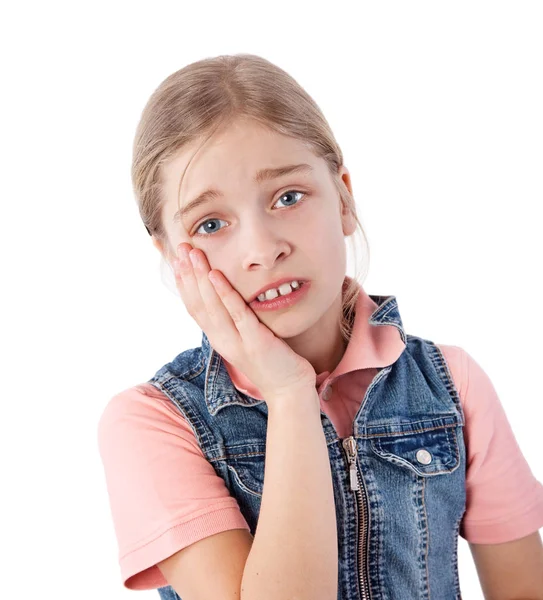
(276, 285)
(282, 301)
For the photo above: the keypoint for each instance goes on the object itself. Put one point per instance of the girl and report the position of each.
(309, 448)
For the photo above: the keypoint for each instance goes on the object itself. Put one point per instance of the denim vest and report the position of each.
(399, 478)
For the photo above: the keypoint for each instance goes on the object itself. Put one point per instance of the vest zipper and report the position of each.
(349, 445)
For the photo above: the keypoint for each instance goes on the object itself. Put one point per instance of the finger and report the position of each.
(222, 297)
(243, 317)
(216, 312)
(187, 285)
(210, 312)
(219, 302)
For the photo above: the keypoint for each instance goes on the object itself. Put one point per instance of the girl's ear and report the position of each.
(348, 220)
(345, 176)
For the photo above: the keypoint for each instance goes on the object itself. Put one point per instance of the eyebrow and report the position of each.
(263, 175)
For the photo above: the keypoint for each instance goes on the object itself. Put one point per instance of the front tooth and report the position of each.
(284, 289)
(271, 294)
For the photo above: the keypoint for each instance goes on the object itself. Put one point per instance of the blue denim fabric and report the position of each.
(399, 479)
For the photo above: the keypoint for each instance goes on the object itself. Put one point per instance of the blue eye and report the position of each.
(211, 229)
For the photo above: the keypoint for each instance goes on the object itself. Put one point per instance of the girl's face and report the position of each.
(259, 230)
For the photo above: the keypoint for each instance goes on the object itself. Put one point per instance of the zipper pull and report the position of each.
(350, 446)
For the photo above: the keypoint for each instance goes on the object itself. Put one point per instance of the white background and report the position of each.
(437, 107)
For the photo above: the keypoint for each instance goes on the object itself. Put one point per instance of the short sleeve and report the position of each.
(164, 495)
(504, 500)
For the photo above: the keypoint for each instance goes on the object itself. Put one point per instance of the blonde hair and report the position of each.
(204, 96)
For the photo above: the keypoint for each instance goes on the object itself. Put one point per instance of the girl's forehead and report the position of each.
(246, 153)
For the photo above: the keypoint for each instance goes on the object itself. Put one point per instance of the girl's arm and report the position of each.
(512, 570)
(294, 551)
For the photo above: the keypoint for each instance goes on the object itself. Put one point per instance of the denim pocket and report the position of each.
(427, 447)
(247, 471)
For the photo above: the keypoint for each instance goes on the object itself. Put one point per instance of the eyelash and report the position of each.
(301, 201)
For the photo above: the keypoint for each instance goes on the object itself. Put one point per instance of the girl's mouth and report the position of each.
(282, 301)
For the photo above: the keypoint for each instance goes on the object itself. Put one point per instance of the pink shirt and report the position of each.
(164, 495)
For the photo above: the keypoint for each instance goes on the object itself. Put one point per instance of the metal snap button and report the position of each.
(424, 457)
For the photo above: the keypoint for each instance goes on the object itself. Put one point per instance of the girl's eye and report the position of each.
(211, 229)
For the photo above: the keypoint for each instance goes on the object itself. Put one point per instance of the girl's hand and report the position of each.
(235, 331)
